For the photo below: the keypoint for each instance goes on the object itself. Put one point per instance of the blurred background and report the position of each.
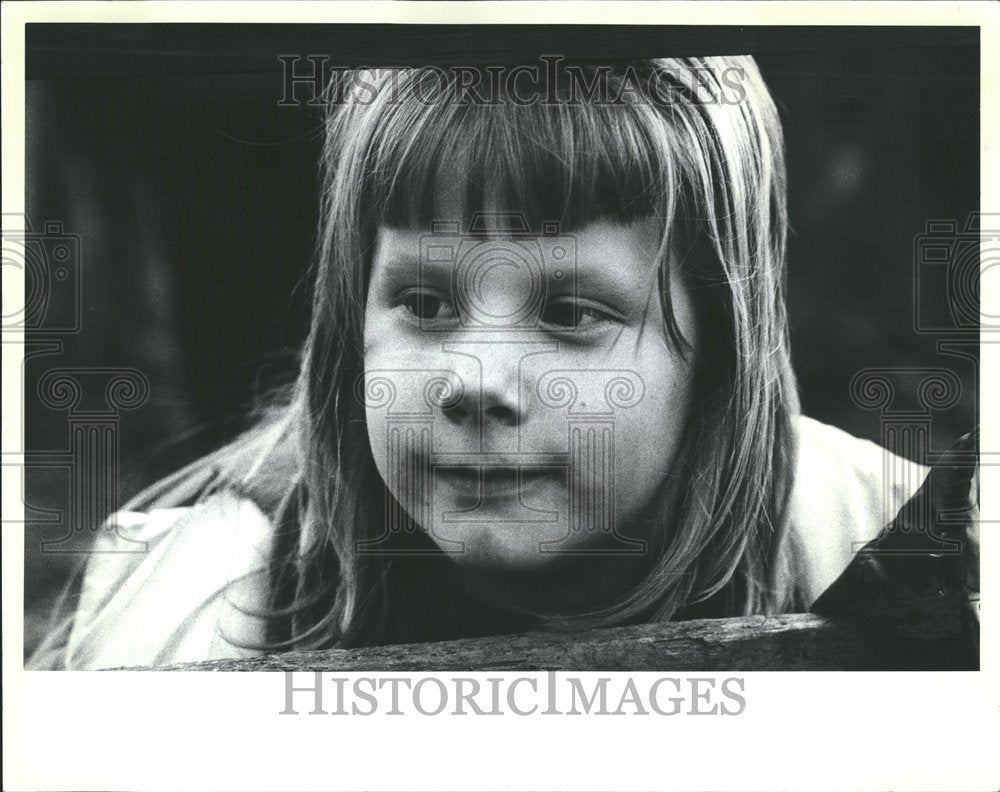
(192, 194)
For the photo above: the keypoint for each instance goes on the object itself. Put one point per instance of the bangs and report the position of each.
(567, 162)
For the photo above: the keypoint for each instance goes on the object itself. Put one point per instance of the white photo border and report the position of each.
(821, 731)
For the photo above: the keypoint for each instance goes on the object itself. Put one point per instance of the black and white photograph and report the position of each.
(508, 348)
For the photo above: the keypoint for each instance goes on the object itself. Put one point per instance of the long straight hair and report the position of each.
(694, 143)
(708, 163)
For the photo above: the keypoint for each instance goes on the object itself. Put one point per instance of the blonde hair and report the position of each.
(679, 146)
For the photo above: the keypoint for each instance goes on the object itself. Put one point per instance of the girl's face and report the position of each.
(523, 399)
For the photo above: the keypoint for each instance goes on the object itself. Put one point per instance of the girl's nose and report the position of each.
(502, 412)
(495, 401)
(492, 392)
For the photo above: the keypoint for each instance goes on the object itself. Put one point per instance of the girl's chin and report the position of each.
(510, 547)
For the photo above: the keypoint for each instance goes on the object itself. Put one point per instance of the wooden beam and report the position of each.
(803, 642)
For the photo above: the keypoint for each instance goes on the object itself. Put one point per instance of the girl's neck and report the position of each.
(567, 586)
(431, 597)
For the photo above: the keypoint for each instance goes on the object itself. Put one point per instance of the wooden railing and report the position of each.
(793, 642)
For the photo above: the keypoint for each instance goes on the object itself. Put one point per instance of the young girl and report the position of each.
(547, 386)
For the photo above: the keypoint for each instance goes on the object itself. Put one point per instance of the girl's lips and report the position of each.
(496, 482)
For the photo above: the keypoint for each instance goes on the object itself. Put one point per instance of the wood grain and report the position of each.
(802, 642)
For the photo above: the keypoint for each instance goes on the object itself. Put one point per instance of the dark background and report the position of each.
(193, 193)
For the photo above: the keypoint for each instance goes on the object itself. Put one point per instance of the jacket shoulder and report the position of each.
(844, 492)
(174, 585)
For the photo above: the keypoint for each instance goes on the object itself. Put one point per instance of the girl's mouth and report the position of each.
(496, 482)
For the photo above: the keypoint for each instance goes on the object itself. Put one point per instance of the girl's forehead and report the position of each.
(502, 223)
(492, 215)
(603, 246)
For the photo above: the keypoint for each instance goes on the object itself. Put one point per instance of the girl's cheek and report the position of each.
(389, 332)
(408, 374)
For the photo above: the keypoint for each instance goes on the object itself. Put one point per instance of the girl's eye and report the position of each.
(425, 305)
(573, 315)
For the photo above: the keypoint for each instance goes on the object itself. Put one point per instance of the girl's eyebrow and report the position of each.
(625, 283)
(434, 257)
(400, 260)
